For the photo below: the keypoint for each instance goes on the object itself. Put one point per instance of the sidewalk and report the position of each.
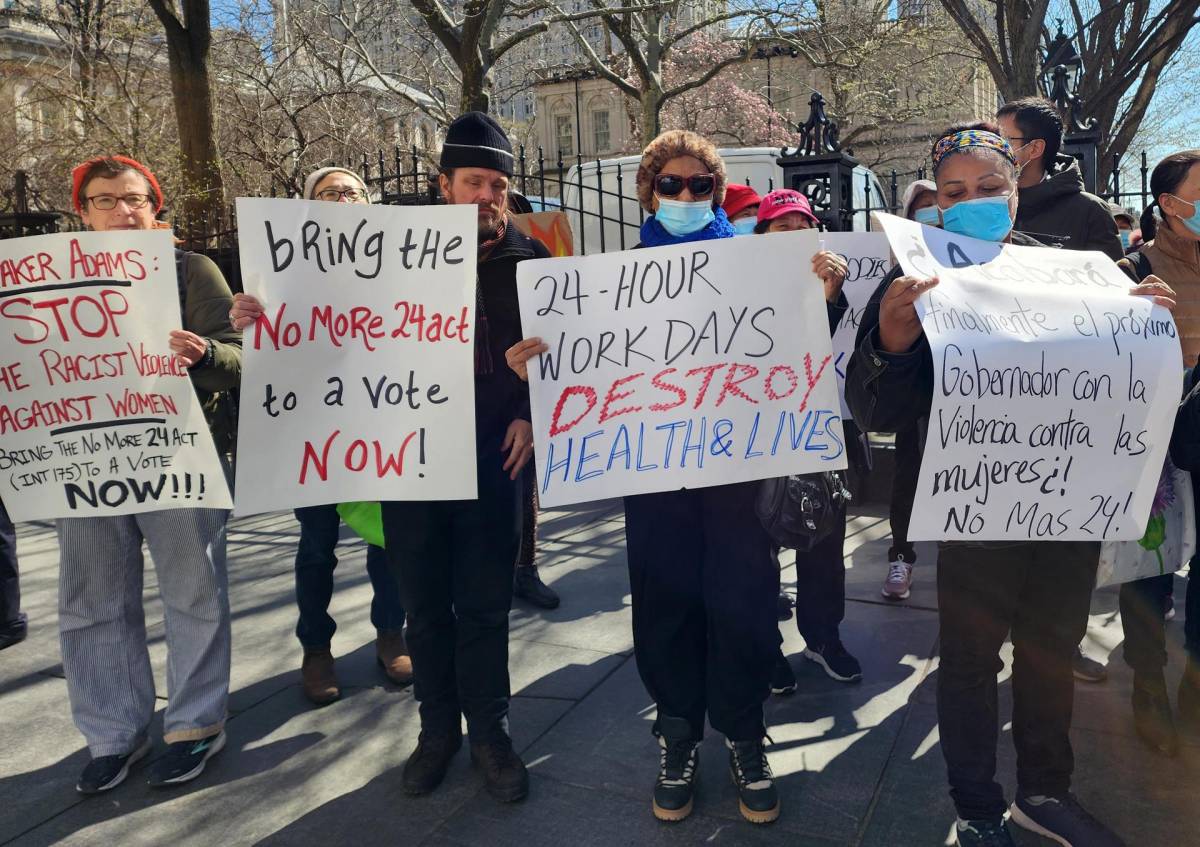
(857, 765)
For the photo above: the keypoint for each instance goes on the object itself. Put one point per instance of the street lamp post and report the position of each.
(1062, 70)
(578, 131)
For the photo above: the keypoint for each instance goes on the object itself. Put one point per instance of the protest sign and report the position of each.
(1054, 391)
(675, 367)
(358, 380)
(97, 416)
(551, 228)
(868, 260)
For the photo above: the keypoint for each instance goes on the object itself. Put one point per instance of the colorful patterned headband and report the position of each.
(972, 138)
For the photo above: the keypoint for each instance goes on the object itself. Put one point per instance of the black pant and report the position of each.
(904, 491)
(529, 516)
(10, 588)
(821, 588)
(454, 560)
(1142, 606)
(1041, 591)
(704, 589)
(316, 558)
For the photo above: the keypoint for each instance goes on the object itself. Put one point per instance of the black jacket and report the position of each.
(1060, 213)
(500, 395)
(890, 392)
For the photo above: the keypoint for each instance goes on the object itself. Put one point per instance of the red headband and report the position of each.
(80, 171)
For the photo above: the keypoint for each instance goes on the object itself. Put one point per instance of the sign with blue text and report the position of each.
(1054, 391)
(685, 366)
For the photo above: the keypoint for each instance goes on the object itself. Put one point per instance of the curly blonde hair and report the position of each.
(669, 145)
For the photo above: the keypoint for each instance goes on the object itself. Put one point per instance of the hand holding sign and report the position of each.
(899, 323)
(519, 354)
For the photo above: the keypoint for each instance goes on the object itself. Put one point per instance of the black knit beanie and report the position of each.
(474, 140)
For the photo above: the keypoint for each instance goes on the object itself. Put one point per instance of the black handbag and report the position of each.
(799, 511)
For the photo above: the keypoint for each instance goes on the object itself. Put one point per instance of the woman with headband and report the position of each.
(1038, 590)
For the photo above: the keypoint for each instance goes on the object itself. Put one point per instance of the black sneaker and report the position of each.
(426, 767)
(982, 833)
(1089, 670)
(758, 800)
(1152, 714)
(529, 586)
(184, 761)
(678, 760)
(784, 606)
(783, 678)
(14, 632)
(107, 772)
(836, 662)
(504, 774)
(1062, 819)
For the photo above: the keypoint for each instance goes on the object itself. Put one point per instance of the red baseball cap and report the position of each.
(738, 198)
(80, 170)
(783, 201)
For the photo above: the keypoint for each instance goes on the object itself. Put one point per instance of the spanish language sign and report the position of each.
(868, 261)
(97, 416)
(358, 380)
(1054, 391)
(680, 367)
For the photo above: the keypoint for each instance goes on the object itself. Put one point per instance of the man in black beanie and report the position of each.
(454, 559)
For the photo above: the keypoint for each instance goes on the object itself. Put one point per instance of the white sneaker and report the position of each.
(899, 581)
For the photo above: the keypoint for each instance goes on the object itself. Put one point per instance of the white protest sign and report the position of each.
(358, 381)
(97, 416)
(868, 260)
(1054, 391)
(686, 366)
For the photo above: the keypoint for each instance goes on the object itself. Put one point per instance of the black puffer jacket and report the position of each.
(500, 395)
(1058, 212)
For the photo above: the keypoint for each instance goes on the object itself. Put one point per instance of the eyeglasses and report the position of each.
(108, 202)
(334, 194)
(671, 185)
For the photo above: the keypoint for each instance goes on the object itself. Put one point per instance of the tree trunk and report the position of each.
(476, 88)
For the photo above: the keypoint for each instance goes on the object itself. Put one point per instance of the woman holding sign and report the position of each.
(316, 555)
(1039, 591)
(101, 622)
(1171, 251)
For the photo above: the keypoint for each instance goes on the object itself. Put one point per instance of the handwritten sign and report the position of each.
(680, 367)
(358, 381)
(97, 416)
(1054, 391)
(868, 260)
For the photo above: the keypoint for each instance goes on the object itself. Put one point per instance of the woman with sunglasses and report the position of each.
(316, 556)
(102, 625)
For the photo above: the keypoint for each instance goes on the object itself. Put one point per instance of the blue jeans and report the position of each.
(315, 561)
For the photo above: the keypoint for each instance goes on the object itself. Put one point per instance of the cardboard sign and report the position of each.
(358, 381)
(551, 228)
(869, 259)
(680, 367)
(1054, 391)
(97, 416)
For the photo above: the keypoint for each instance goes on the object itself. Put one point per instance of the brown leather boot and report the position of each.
(392, 654)
(317, 677)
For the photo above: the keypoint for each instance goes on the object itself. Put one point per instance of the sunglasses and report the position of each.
(671, 185)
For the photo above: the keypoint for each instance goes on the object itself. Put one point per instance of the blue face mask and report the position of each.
(1125, 236)
(744, 226)
(1193, 221)
(985, 218)
(927, 215)
(681, 218)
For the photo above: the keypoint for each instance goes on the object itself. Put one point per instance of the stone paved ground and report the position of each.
(857, 765)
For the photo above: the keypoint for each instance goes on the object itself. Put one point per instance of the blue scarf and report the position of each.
(653, 234)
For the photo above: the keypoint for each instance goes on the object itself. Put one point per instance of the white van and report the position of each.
(609, 193)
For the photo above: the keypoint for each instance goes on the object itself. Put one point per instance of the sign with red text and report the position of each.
(686, 366)
(97, 416)
(868, 260)
(1054, 391)
(358, 381)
